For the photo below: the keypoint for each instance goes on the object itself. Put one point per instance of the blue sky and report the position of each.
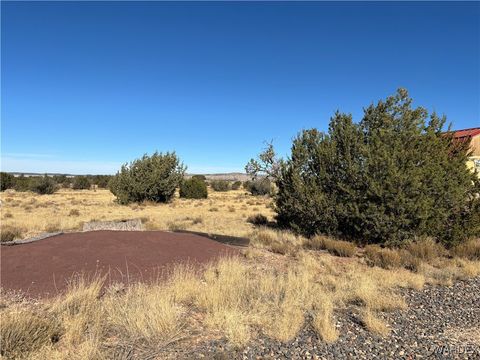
(87, 86)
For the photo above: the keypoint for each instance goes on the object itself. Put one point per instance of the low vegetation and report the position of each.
(7, 181)
(220, 185)
(81, 183)
(335, 247)
(10, 233)
(152, 178)
(359, 181)
(193, 188)
(43, 185)
(259, 187)
(258, 219)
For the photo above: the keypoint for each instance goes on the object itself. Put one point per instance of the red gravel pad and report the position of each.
(43, 268)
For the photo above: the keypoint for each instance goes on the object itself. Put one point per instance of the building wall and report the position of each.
(475, 145)
(473, 162)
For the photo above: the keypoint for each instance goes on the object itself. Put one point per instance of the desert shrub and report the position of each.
(199, 177)
(43, 185)
(23, 183)
(10, 233)
(100, 180)
(334, 247)
(236, 185)
(150, 178)
(259, 187)
(81, 183)
(220, 185)
(391, 177)
(74, 212)
(257, 219)
(193, 188)
(469, 249)
(59, 179)
(7, 181)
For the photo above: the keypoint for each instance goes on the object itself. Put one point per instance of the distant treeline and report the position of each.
(31, 183)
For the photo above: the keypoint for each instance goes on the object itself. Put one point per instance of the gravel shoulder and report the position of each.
(439, 323)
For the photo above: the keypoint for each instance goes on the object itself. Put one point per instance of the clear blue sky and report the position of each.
(87, 86)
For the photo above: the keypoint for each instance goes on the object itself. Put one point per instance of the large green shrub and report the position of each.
(81, 183)
(392, 177)
(23, 183)
(100, 180)
(7, 181)
(260, 186)
(236, 185)
(43, 185)
(220, 185)
(153, 178)
(193, 188)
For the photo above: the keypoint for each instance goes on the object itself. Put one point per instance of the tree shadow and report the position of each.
(224, 239)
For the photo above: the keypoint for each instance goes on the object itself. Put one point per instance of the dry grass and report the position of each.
(280, 242)
(384, 258)
(10, 233)
(144, 313)
(36, 213)
(24, 331)
(468, 250)
(426, 249)
(373, 323)
(323, 321)
(334, 247)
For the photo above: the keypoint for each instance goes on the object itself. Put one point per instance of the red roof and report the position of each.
(466, 133)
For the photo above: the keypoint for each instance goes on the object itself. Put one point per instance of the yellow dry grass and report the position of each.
(68, 209)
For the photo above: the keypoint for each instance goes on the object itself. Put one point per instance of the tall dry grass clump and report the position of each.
(468, 250)
(24, 331)
(334, 247)
(277, 241)
(426, 249)
(323, 322)
(144, 314)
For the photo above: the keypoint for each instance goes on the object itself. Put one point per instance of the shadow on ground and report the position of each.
(224, 239)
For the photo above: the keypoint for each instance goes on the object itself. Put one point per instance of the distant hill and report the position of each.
(235, 176)
(27, 174)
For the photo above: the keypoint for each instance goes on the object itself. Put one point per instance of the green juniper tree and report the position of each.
(393, 176)
(153, 178)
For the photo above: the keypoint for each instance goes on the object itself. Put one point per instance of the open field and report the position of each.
(222, 213)
(283, 296)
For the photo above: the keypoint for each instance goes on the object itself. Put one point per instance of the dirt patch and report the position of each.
(43, 268)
